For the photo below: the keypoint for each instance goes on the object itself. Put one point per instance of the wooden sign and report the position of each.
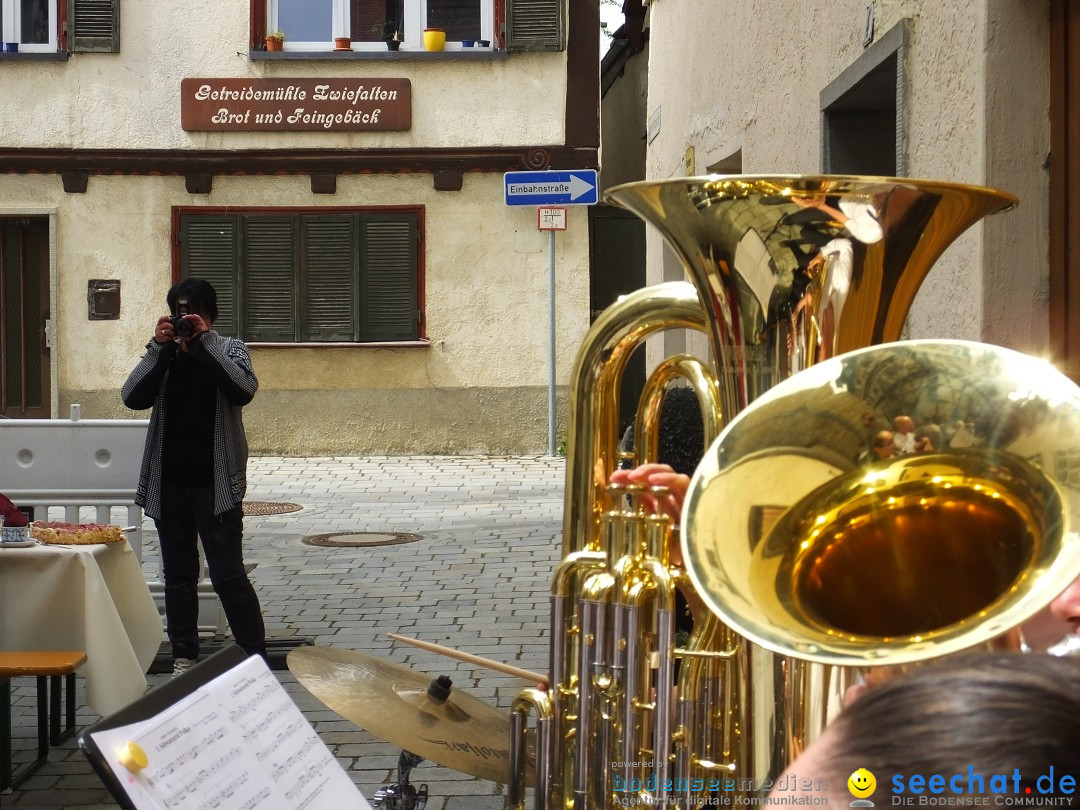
(270, 105)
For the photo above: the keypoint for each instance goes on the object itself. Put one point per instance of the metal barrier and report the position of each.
(86, 471)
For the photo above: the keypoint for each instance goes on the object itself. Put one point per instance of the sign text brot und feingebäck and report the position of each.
(268, 105)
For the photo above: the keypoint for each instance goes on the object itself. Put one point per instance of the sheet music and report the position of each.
(237, 743)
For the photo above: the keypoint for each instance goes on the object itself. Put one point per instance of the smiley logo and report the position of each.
(861, 783)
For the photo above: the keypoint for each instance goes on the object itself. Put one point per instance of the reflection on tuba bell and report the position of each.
(851, 559)
(795, 522)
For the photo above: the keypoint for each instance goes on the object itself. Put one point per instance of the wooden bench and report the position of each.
(46, 666)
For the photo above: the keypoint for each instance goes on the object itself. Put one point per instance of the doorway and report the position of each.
(863, 109)
(617, 267)
(24, 315)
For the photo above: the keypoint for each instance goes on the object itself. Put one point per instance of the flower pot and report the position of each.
(434, 39)
(467, 43)
(11, 47)
(342, 44)
(274, 44)
(393, 44)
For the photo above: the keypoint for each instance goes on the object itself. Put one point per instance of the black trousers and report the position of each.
(187, 515)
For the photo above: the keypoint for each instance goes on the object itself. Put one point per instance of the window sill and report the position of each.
(389, 344)
(27, 56)
(467, 54)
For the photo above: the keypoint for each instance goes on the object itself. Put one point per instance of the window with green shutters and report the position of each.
(94, 26)
(349, 277)
(535, 25)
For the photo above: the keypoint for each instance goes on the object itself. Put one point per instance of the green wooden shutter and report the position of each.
(328, 286)
(209, 250)
(535, 25)
(269, 270)
(94, 26)
(388, 305)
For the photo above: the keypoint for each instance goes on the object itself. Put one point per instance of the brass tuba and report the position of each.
(789, 274)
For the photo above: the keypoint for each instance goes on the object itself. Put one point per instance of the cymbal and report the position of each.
(392, 702)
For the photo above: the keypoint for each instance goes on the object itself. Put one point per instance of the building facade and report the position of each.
(958, 91)
(345, 197)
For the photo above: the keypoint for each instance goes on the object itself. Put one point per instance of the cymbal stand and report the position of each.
(402, 795)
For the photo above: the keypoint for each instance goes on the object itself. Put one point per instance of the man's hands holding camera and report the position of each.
(182, 328)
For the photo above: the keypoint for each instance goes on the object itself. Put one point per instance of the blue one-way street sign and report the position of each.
(577, 187)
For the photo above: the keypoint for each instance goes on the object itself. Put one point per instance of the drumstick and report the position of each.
(535, 677)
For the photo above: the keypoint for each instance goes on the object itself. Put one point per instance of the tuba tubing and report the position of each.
(536, 702)
(592, 429)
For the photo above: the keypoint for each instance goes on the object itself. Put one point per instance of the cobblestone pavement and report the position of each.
(477, 579)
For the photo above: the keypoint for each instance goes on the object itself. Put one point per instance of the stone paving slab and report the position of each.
(478, 579)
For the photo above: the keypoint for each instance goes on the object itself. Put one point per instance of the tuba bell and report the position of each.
(848, 558)
(790, 276)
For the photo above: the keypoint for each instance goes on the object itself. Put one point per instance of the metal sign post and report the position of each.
(551, 220)
(550, 191)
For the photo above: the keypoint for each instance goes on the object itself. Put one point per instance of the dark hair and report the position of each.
(201, 296)
(992, 712)
(681, 436)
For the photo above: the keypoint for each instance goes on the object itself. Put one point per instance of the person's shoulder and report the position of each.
(224, 340)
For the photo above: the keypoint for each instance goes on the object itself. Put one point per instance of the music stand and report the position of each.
(150, 705)
(225, 733)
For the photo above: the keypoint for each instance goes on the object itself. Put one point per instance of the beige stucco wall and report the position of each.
(622, 126)
(481, 386)
(1016, 276)
(132, 99)
(482, 383)
(748, 75)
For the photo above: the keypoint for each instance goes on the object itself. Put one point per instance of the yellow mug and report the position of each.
(434, 39)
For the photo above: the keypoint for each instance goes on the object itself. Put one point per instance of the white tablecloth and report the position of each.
(90, 598)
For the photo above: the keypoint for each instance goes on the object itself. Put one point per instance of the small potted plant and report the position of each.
(392, 35)
(275, 40)
(434, 39)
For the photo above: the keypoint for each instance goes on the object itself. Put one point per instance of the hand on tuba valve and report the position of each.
(658, 475)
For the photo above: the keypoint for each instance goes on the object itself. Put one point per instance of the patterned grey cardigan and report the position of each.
(229, 365)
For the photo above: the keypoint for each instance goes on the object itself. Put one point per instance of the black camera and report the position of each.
(181, 327)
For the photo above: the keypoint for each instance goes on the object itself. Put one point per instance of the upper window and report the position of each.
(31, 23)
(91, 26)
(347, 276)
(313, 24)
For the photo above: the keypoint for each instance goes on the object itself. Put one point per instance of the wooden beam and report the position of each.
(323, 183)
(199, 182)
(294, 161)
(448, 180)
(75, 181)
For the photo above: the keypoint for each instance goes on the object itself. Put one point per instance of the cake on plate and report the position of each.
(74, 534)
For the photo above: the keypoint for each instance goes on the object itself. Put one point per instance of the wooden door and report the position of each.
(1065, 185)
(24, 314)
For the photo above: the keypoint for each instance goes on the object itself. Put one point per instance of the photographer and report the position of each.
(194, 468)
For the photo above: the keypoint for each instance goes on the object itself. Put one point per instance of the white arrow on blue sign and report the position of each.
(577, 187)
